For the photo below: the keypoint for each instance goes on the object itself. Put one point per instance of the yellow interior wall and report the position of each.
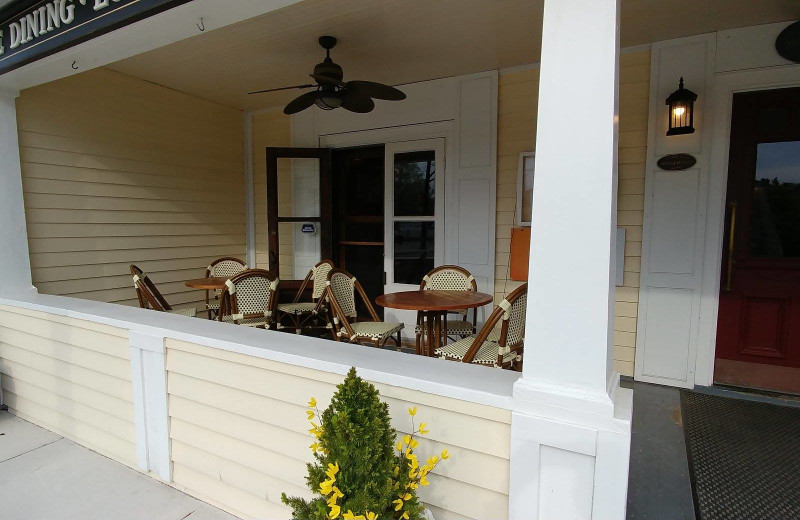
(517, 111)
(271, 128)
(117, 171)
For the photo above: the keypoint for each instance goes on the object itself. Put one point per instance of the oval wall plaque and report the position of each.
(678, 161)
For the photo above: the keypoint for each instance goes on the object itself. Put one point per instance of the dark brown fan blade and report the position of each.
(301, 103)
(376, 90)
(281, 88)
(357, 102)
(326, 80)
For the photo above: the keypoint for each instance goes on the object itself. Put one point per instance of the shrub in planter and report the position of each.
(361, 471)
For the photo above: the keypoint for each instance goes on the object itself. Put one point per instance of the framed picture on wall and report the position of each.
(525, 188)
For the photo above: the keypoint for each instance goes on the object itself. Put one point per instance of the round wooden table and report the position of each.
(434, 306)
(209, 284)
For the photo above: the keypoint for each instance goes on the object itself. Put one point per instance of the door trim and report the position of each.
(724, 87)
(439, 147)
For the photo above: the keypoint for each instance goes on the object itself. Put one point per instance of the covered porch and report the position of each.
(144, 147)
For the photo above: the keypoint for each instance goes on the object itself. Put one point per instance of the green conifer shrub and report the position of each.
(359, 472)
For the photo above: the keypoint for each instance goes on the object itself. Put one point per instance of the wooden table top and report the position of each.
(434, 300)
(207, 283)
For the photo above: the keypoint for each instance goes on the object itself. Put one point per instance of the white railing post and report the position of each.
(571, 424)
(151, 417)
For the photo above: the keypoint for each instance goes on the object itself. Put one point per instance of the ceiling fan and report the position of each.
(331, 92)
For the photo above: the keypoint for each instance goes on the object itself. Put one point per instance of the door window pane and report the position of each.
(414, 183)
(413, 251)
(298, 187)
(775, 216)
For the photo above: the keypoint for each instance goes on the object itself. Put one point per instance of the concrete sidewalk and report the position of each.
(44, 476)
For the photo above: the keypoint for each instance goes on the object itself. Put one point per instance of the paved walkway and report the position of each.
(44, 476)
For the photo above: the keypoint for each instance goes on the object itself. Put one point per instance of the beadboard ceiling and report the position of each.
(403, 41)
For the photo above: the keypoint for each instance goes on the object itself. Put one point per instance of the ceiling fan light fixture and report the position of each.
(329, 101)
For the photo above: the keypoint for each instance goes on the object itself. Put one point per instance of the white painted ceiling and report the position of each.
(403, 41)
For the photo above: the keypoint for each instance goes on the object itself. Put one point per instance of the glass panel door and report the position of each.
(414, 211)
(298, 209)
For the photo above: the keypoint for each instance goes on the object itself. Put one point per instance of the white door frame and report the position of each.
(438, 145)
(725, 86)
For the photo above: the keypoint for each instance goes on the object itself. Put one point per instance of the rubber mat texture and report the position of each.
(744, 457)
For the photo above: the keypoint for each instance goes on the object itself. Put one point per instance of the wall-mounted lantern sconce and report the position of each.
(681, 111)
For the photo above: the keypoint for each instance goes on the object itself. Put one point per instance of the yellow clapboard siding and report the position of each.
(73, 322)
(137, 173)
(99, 381)
(16, 374)
(221, 494)
(94, 439)
(240, 408)
(57, 330)
(70, 376)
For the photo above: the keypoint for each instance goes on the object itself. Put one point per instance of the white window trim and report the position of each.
(438, 146)
(521, 185)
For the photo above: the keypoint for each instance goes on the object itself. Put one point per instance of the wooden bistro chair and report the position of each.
(499, 343)
(301, 313)
(450, 278)
(249, 299)
(151, 298)
(225, 267)
(341, 290)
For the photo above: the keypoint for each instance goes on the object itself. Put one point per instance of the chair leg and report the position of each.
(399, 340)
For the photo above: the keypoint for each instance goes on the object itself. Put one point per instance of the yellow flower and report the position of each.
(413, 444)
(314, 446)
(332, 500)
(432, 461)
(313, 402)
(422, 429)
(414, 462)
(332, 471)
(371, 516)
(407, 439)
(310, 414)
(326, 487)
(407, 496)
(399, 446)
(335, 510)
(412, 411)
(336, 492)
(398, 504)
(348, 515)
(396, 470)
(315, 430)
(405, 516)
(412, 473)
(424, 481)
(445, 455)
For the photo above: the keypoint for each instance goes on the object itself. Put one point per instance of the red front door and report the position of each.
(758, 332)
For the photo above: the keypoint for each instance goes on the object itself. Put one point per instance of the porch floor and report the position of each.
(45, 476)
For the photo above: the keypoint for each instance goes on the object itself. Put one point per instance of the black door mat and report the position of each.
(744, 458)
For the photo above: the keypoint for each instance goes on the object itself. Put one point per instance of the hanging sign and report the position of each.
(47, 26)
(678, 161)
(309, 228)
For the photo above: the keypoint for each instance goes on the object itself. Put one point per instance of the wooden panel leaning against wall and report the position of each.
(116, 171)
(518, 104)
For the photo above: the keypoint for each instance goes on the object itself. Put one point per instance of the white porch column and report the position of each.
(15, 274)
(571, 428)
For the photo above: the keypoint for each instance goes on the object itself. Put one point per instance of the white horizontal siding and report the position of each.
(70, 376)
(239, 435)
